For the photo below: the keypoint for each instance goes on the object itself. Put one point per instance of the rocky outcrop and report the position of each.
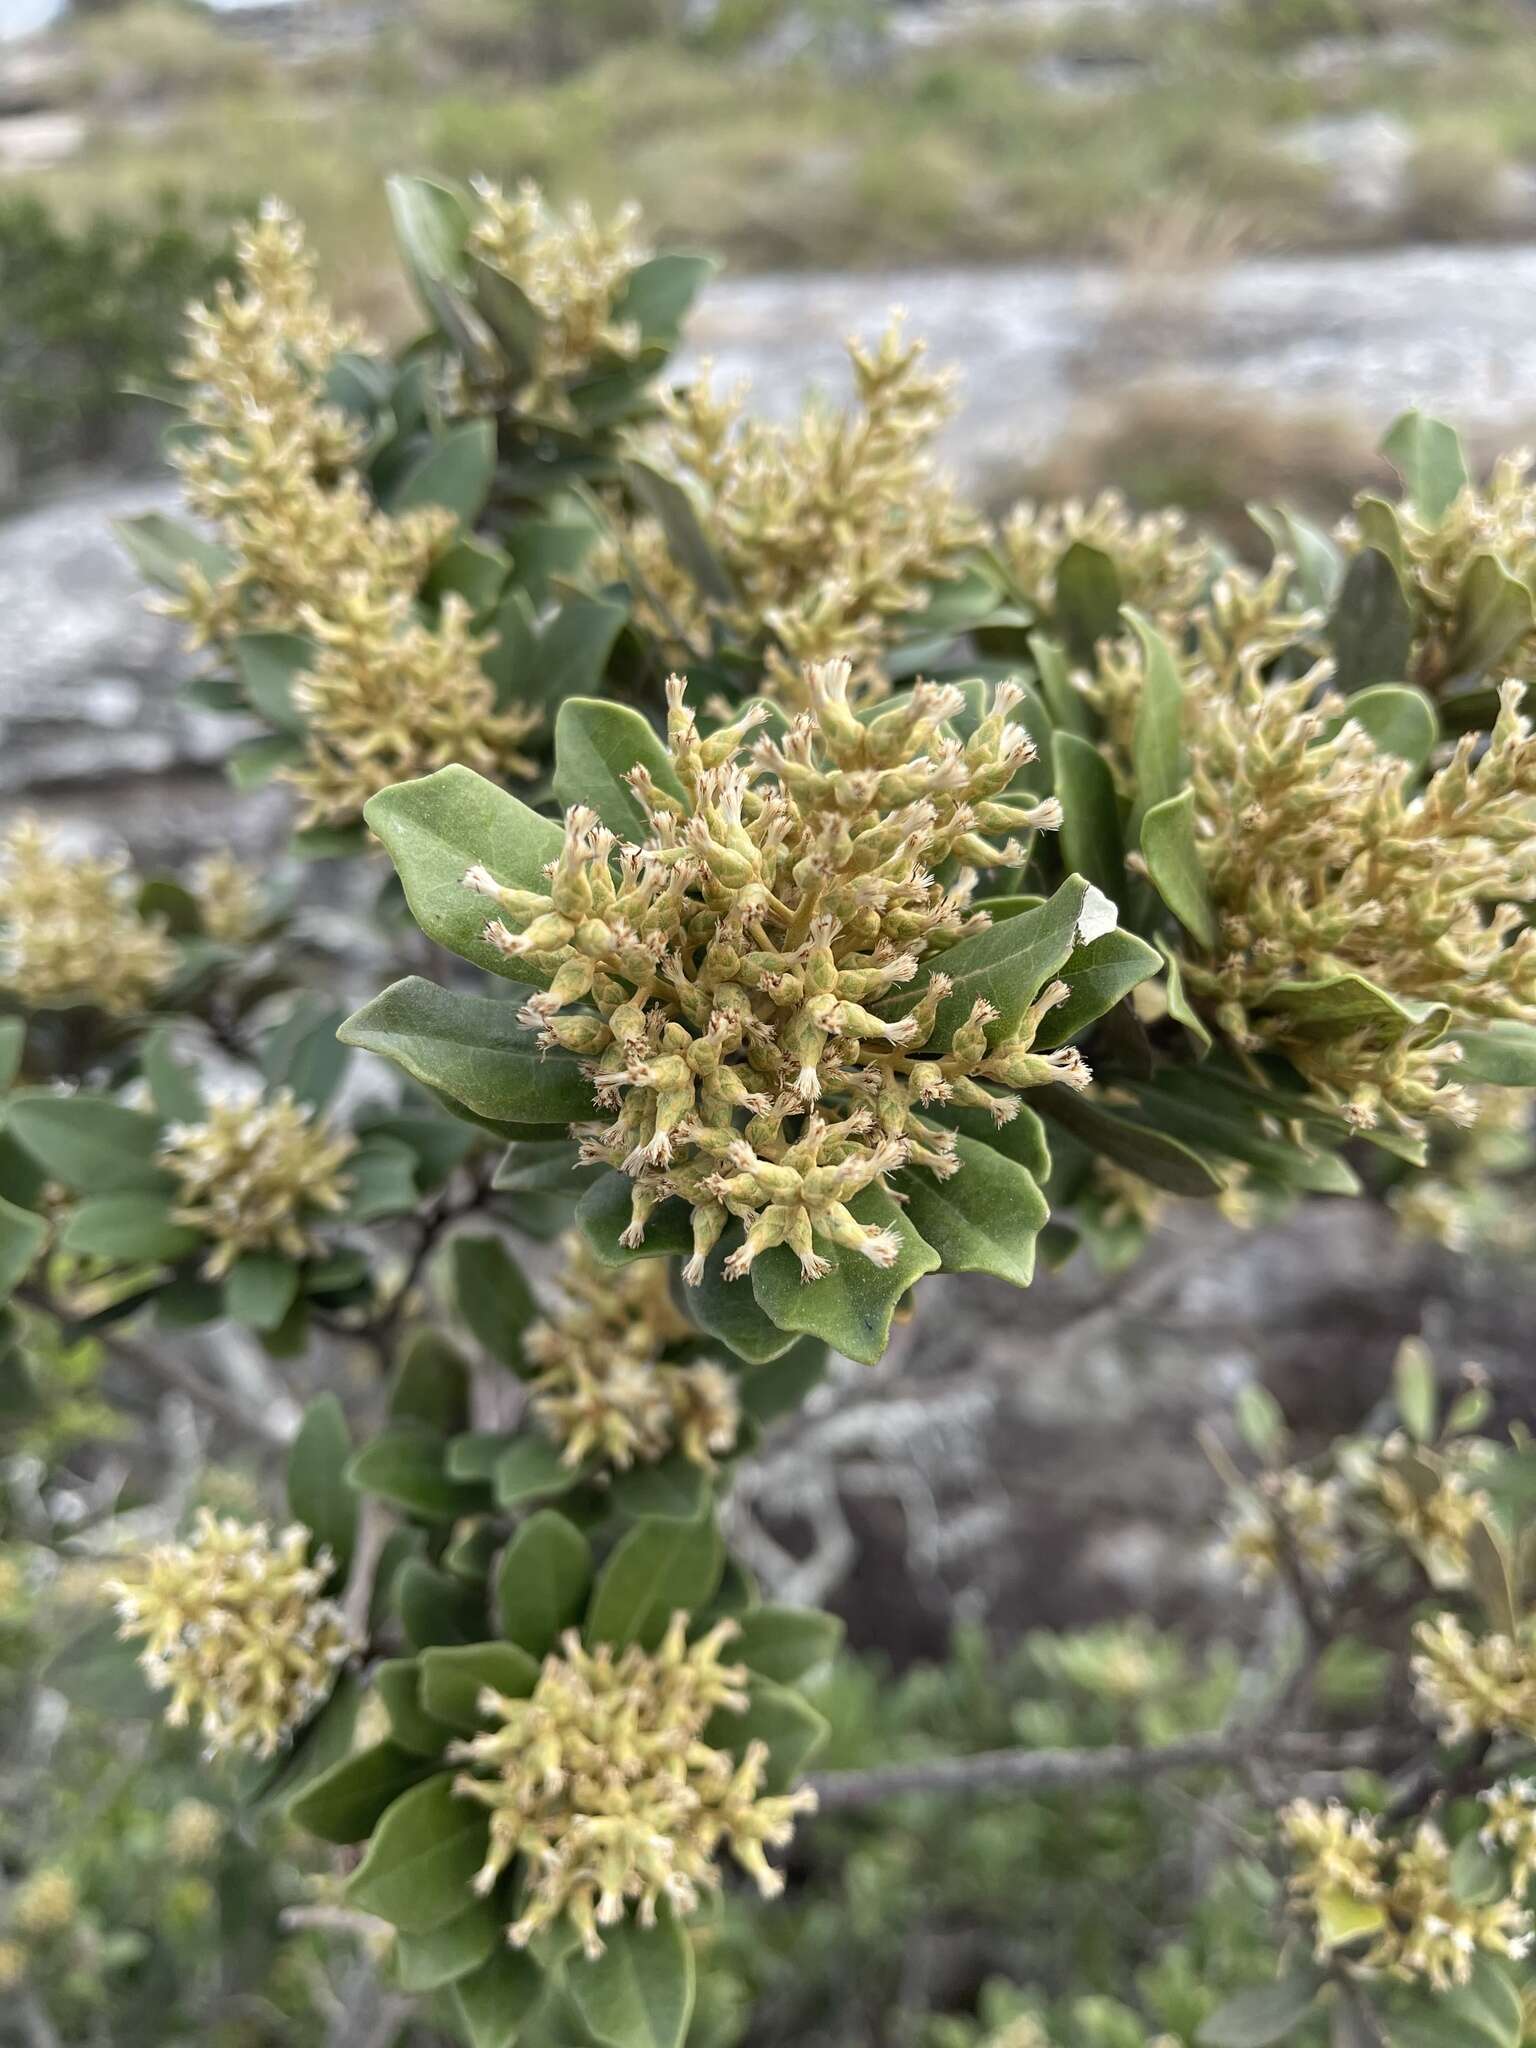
(92, 728)
(1032, 1460)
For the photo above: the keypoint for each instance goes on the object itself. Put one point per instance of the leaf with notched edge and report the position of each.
(851, 1307)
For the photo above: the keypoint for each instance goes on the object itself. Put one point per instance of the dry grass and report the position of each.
(1211, 454)
(962, 153)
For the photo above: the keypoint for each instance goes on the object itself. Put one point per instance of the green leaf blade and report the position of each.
(440, 825)
(852, 1306)
(473, 1050)
(639, 1992)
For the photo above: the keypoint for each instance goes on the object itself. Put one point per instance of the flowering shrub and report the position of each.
(879, 896)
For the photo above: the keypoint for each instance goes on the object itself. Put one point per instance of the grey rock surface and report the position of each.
(92, 729)
(1032, 1460)
(1367, 158)
(1362, 334)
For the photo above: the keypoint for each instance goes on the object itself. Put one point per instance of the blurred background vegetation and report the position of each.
(1168, 138)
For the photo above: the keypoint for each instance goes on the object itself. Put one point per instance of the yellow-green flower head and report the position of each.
(69, 931)
(826, 529)
(188, 1901)
(193, 1831)
(253, 1175)
(1022, 2031)
(272, 467)
(237, 1628)
(1434, 1520)
(574, 270)
(1161, 572)
(391, 694)
(1397, 1894)
(603, 1783)
(751, 955)
(229, 898)
(1117, 1661)
(1434, 1935)
(1321, 861)
(1322, 858)
(604, 1388)
(45, 1904)
(1511, 1825)
(1290, 1514)
(1498, 519)
(13, 1966)
(390, 697)
(1333, 1849)
(1474, 1685)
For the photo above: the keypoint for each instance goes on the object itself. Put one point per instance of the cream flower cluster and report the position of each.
(1498, 519)
(237, 1628)
(69, 930)
(603, 1783)
(604, 1387)
(229, 898)
(1422, 1499)
(253, 1173)
(825, 529)
(573, 269)
(274, 471)
(750, 956)
(1475, 1684)
(1511, 1826)
(1289, 1515)
(1321, 862)
(1160, 570)
(1356, 1883)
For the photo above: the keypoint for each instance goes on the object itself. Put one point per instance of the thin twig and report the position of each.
(333, 1920)
(40, 2030)
(373, 1528)
(170, 1371)
(1054, 1770)
(158, 1365)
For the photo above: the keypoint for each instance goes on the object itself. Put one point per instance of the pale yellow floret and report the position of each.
(193, 1831)
(1288, 1518)
(604, 1389)
(1358, 1885)
(253, 1175)
(1322, 858)
(603, 1783)
(1475, 1685)
(574, 270)
(1430, 1506)
(826, 530)
(1160, 572)
(69, 928)
(229, 898)
(392, 693)
(237, 1628)
(45, 1904)
(1511, 1825)
(1433, 557)
(768, 952)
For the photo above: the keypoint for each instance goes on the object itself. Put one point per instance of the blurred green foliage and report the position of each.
(91, 312)
(930, 1920)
